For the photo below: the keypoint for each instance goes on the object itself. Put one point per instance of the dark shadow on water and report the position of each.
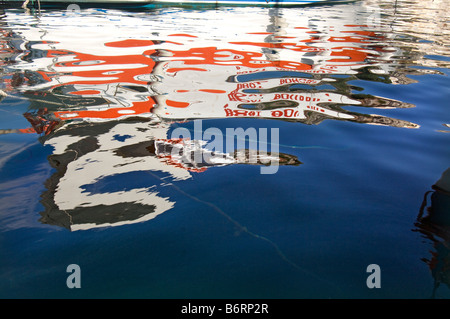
(433, 222)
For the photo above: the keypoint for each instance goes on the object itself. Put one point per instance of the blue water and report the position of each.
(93, 189)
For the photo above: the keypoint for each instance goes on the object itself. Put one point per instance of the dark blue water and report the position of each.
(88, 176)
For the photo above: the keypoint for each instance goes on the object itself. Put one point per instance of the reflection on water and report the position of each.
(434, 223)
(104, 93)
(104, 90)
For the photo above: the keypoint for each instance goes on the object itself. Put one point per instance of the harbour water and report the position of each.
(108, 116)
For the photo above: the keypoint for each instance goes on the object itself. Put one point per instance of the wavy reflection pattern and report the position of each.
(105, 97)
(433, 222)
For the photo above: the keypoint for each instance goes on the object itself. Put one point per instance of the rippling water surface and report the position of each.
(106, 111)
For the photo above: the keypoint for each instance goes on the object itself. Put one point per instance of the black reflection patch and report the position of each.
(272, 105)
(101, 214)
(146, 148)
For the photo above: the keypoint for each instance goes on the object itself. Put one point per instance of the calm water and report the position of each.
(354, 100)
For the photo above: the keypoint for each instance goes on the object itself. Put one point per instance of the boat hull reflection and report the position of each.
(106, 100)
